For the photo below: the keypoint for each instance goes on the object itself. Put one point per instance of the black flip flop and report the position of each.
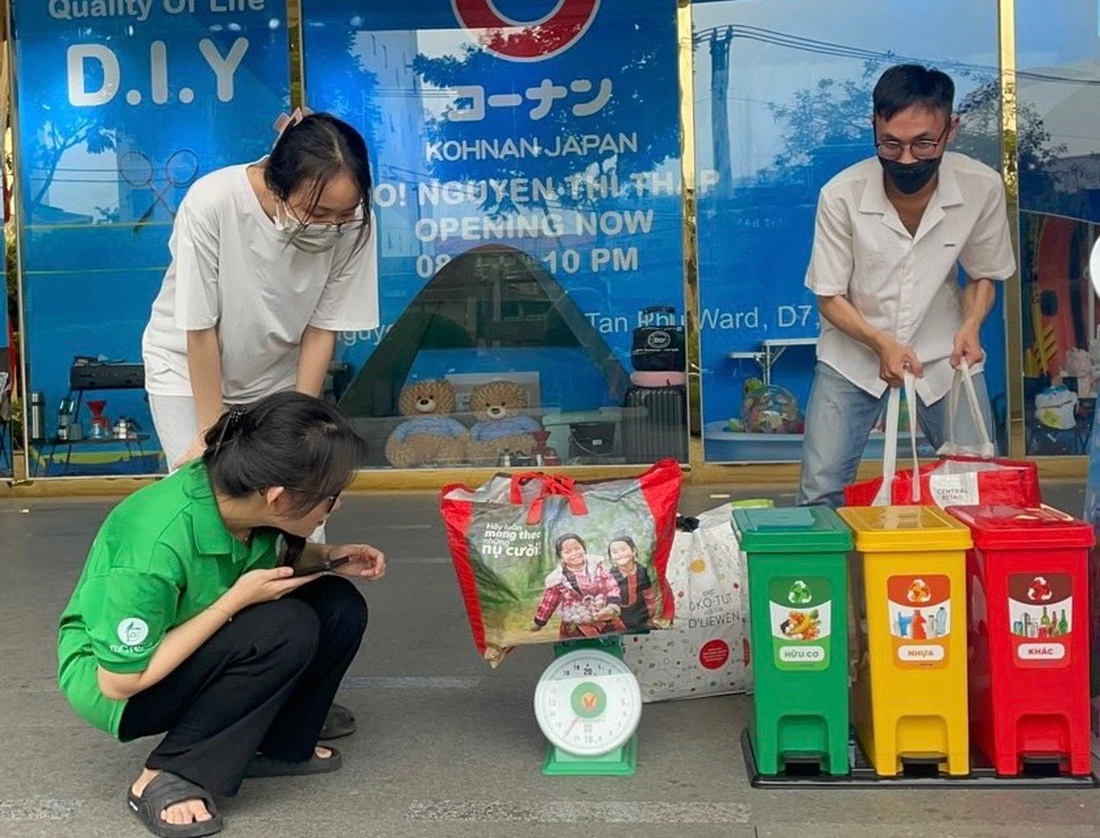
(261, 766)
(339, 722)
(167, 789)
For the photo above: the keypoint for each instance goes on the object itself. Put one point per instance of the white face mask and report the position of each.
(308, 237)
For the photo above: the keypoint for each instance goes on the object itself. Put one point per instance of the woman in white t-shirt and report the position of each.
(269, 261)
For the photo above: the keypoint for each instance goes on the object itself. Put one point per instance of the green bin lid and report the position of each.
(791, 530)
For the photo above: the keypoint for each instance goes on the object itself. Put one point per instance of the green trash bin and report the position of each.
(798, 603)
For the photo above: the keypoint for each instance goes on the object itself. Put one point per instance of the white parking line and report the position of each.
(37, 810)
(573, 811)
(412, 682)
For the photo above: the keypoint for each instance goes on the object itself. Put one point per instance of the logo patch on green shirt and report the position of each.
(132, 631)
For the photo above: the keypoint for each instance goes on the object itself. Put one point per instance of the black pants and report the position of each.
(263, 683)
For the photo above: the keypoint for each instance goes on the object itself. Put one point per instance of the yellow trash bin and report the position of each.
(909, 699)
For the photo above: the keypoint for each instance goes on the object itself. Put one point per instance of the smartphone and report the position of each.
(331, 564)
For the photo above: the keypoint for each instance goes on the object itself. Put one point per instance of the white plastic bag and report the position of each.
(706, 652)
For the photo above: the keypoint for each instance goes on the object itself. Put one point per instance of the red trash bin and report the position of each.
(1027, 586)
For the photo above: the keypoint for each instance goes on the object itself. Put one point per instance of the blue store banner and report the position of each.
(120, 106)
(545, 129)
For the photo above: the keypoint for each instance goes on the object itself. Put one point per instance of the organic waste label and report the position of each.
(920, 620)
(1040, 617)
(801, 622)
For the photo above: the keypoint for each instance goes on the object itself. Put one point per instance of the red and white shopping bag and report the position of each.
(960, 477)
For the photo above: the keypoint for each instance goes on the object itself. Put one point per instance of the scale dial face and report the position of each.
(588, 703)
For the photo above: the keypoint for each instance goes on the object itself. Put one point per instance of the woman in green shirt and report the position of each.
(188, 619)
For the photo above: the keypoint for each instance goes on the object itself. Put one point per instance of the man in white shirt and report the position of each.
(889, 235)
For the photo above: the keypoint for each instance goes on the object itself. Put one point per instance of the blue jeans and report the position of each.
(839, 419)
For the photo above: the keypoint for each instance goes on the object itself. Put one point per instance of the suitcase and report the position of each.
(655, 424)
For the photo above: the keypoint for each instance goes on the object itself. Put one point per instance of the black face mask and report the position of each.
(910, 177)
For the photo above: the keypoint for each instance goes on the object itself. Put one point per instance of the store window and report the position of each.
(526, 156)
(117, 115)
(1058, 139)
(8, 360)
(529, 204)
(783, 103)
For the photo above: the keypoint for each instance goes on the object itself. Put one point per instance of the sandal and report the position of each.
(339, 722)
(167, 789)
(261, 766)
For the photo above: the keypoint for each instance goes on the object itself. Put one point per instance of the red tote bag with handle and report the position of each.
(542, 558)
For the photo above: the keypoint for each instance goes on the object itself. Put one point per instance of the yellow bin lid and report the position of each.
(897, 529)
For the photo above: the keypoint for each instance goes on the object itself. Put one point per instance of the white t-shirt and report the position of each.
(903, 284)
(232, 269)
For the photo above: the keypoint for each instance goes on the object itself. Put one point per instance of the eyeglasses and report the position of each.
(921, 149)
(328, 500)
(336, 226)
(307, 219)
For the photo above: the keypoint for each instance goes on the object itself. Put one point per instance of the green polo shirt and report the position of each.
(161, 557)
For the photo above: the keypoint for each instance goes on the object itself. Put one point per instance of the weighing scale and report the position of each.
(588, 705)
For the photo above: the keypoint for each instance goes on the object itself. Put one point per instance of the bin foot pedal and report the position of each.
(803, 764)
(1042, 764)
(919, 765)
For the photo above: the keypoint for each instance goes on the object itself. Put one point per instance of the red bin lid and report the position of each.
(1000, 527)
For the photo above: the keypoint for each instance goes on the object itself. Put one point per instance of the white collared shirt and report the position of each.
(902, 284)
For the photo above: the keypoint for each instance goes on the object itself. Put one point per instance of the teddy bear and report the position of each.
(430, 435)
(502, 425)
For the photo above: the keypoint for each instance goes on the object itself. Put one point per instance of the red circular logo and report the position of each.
(714, 654)
(531, 40)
